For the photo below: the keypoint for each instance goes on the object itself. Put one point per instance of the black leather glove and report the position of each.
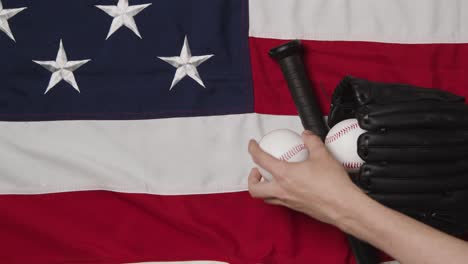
(415, 148)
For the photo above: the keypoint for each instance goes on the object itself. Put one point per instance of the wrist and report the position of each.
(351, 211)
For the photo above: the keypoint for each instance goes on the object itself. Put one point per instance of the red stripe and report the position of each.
(105, 227)
(443, 66)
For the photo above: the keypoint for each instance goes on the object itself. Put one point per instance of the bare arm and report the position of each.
(321, 188)
(404, 238)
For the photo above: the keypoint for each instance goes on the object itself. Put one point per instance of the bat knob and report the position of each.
(291, 48)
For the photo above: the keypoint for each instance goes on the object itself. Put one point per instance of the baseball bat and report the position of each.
(289, 57)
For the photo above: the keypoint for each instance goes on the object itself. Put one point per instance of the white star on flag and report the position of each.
(6, 14)
(123, 16)
(62, 69)
(186, 64)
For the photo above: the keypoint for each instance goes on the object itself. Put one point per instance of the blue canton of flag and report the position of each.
(122, 59)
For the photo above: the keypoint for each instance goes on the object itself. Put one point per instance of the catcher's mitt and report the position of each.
(415, 148)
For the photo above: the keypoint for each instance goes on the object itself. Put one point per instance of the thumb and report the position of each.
(313, 143)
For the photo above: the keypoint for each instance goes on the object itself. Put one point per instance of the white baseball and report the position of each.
(342, 140)
(283, 144)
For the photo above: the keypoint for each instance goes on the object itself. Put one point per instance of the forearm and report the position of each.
(404, 238)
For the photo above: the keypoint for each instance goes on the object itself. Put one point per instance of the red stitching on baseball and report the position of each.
(292, 152)
(341, 133)
(352, 165)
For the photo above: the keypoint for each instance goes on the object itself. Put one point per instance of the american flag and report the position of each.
(124, 123)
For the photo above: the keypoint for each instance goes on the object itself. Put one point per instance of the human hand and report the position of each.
(318, 187)
(321, 188)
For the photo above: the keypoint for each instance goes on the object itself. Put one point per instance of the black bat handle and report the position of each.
(364, 253)
(290, 59)
(289, 56)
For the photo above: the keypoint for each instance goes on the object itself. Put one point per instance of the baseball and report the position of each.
(341, 141)
(283, 144)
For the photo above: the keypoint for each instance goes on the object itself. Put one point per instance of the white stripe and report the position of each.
(197, 155)
(397, 21)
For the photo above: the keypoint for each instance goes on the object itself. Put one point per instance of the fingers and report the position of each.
(263, 190)
(254, 177)
(265, 160)
(314, 144)
(259, 189)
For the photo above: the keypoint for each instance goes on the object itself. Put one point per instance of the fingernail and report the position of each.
(251, 144)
